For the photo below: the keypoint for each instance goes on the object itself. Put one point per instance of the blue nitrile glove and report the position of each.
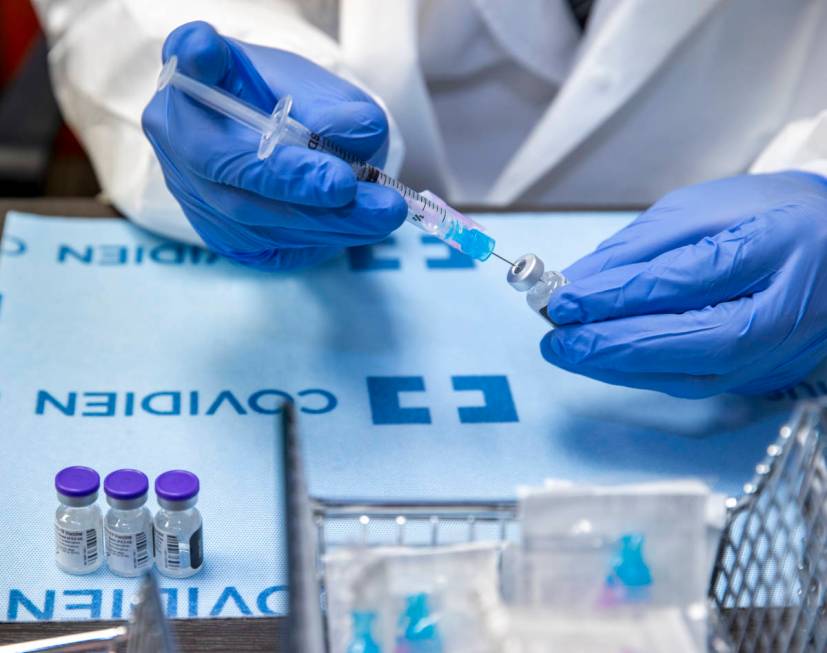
(718, 287)
(295, 208)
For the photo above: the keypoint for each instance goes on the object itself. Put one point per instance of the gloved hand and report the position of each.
(717, 287)
(295, 208)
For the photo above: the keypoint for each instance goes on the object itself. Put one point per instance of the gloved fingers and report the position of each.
(374, 212)
(210, 58)
(291, 174)
(359, 128)
(788, 373)
(687, 386)
(685, 216)
(213, 147)
(713, 341)
(734, 263)
(641, 240)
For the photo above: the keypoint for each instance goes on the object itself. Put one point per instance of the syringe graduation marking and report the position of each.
(366, 172)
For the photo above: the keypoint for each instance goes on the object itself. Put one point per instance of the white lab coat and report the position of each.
(655, 95)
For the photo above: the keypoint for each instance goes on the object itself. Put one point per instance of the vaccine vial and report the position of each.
(528, 275)
(128, 523)
(179, 542)
(78, 521)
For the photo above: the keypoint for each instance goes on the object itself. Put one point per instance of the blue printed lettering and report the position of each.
(18, 599)
(261, 601)
(199, 253)
(44, 397)
(226, 395)
(168, 254)
(192, 601)
(94, 605)
(230, 592)
(117, 604)
(267, 401)
(12, 246)
(65, 252)
(129, 408)
(173, 408)
(271, 600)
(171, 594)
(274, 408)
(330, 401)
(108, 404)
(113, 255)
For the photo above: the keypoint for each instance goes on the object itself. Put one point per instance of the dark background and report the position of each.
(39, 155)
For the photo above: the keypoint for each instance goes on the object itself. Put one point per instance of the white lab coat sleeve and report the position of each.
(800, 145)
(105, 56)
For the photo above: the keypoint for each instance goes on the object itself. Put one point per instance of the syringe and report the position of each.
(425, 210)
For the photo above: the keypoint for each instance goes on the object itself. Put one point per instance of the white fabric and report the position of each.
(495, 105)
(801, 144)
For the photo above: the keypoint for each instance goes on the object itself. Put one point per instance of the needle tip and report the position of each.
(502, 258)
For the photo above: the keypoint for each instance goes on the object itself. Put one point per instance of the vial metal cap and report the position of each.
(525, 272)
(177, 489)
(126, 488)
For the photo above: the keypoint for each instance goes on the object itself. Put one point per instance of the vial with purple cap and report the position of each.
(128, 523)
(78, 521)
(179, 543)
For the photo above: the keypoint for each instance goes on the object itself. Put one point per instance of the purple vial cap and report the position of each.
(77, 481)
(176, 485)
(126, 484)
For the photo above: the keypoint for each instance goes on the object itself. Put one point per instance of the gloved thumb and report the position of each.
(214, 60)
(358, 127)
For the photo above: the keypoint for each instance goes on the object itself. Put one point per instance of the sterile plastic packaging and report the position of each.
(619, 567)
(406, 600)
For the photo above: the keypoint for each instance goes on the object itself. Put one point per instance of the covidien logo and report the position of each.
(167, 253)
(386, 408)
(96, 603)
(175, 403)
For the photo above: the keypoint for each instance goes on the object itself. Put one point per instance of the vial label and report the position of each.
(127, 553)
(176, 554)
(197, 549)
(76, 549)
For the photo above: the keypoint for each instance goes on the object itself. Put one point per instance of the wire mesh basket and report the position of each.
(769, 581)
(770, 575)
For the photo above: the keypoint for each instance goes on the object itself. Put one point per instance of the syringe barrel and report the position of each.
(425, 210)
(215, 98)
